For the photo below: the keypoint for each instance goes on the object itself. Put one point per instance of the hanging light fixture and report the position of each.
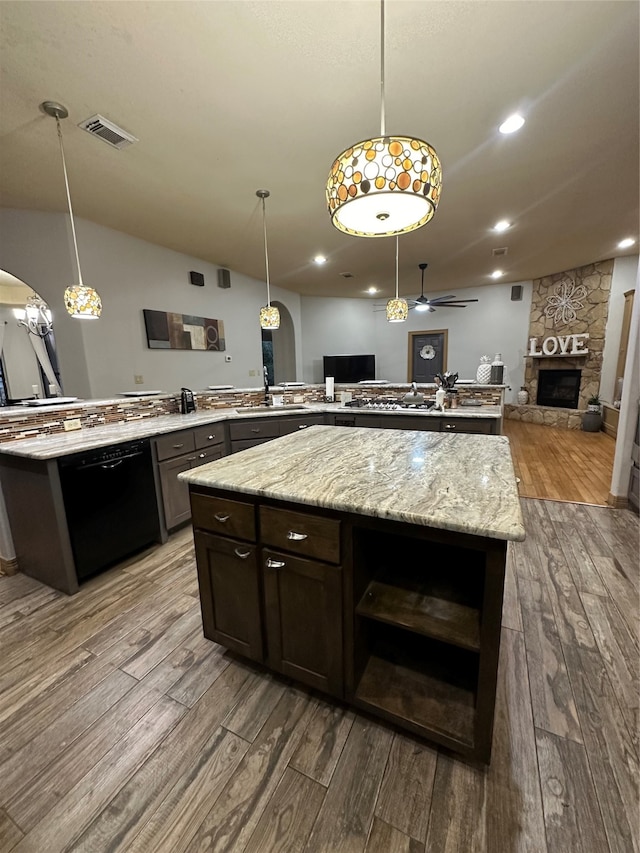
(36, 316)
(80, 301)
(269, 314)
(397, 308)
(384, 185)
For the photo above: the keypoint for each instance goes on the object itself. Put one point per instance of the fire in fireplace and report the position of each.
(559, 388)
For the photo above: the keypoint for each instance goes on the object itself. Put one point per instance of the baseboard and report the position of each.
(618, 501)
(9, 566)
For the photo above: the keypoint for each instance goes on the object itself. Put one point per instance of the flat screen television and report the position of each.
(350, 368)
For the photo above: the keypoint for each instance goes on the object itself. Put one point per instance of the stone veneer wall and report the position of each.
(590, 318)
(24, 422)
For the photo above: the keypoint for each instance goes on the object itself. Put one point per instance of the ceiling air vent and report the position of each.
(499, 252)
(109, 132)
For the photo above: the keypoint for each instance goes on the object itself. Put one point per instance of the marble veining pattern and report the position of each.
(53, 446)
(460, 482)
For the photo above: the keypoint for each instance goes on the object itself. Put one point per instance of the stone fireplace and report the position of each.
(558, 388)
(575, 302)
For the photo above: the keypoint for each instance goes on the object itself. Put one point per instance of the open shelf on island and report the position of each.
(415, 606)
(433, 692)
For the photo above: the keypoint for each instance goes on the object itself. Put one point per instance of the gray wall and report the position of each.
(625, 271)
(493, 324)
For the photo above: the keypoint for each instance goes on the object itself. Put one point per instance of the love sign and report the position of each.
(560, 345)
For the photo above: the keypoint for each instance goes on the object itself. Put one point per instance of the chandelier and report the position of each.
(81, 301)
(35, 316)
(385, 185)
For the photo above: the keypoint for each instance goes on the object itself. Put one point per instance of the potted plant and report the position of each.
(593, 403)
(592, 418)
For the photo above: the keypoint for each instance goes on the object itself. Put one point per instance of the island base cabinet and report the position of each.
(230, 594)
(303, 602)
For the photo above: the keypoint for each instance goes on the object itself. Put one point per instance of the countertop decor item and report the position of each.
(497, 370)
(593, 403)
(81, 302)
(446, 380)
(385, 185)
(269, 314)
(483, 373)
(523, 396)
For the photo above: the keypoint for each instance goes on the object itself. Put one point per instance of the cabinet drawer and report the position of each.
(208, 455)
(254, 429)
(299, 533)
(175, 444)
(425, 423)
(288, 425)
(476, 425)
(208, 436)
(223, 516)
(246, 443)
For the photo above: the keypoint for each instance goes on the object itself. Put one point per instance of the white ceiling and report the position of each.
(229, 97)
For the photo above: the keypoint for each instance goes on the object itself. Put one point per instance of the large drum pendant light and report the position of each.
(385, 185)
(80, 301)
(269, 314)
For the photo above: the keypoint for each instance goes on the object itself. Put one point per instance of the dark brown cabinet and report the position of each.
(424, 423)
(178, 452)
(247, 433)
(286, 566)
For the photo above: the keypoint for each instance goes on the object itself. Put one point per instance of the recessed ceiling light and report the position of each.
(513, 123)
(372, 289)
(624, 244)
(319, 259)
(497, 274)
(502, 225)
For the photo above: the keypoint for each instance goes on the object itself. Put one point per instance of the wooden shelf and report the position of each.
(405, 689)
(423, 613)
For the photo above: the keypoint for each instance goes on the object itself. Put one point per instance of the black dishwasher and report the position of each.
(110, 501)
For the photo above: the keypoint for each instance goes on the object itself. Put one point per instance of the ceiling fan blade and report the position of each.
(441, 299)
(453, 302)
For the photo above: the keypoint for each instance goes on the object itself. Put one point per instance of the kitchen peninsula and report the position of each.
(366, 563)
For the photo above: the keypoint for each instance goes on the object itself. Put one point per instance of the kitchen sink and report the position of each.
(274, 409)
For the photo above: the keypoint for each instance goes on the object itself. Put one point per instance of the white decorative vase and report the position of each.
(523, 396)
(483, 373)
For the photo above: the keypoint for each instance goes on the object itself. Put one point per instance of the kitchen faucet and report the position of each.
(265, 373)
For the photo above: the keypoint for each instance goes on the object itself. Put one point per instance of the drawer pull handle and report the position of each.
(275, 564)
(302, 426)
(220, 517)
(242, 554)
(201, 455)
(210, 437)
(450, 426)
(296, 537)
(255, 429)
(177, 446)
(191, 458)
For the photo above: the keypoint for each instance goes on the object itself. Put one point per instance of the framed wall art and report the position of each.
(167, 330)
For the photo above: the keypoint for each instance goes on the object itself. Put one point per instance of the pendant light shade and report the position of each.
(80, 301)
(384, 185)
(397, 308)
(269, 314)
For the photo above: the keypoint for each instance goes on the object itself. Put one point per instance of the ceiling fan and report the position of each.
(424, 304)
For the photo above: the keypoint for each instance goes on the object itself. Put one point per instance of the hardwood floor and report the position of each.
(123, 729)
(561, 464)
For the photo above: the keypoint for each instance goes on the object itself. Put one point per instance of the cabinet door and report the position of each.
(425, 423)
(482, 426)
(288, 425)
(175, 493)
(303, 613)
(175, 444)
(230, 594)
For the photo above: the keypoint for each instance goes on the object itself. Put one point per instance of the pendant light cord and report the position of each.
(397, 241)
(66, 183)
(382, 116)
(266, 252)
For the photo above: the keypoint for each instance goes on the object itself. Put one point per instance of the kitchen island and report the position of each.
(366, 563)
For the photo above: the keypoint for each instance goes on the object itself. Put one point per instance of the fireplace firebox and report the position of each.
(559, 388)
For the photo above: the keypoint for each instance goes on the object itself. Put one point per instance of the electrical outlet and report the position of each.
(138, 379)
(252, 373)
(72, 423)
(298, 398)
(227, 358)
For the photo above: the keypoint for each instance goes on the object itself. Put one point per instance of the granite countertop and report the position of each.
(462, 482)
(53, 446)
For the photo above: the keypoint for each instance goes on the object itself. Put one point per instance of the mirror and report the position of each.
(28, 361)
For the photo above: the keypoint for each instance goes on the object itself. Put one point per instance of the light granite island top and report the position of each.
(458, 482)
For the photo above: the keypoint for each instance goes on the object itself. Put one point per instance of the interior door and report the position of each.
(427, 355)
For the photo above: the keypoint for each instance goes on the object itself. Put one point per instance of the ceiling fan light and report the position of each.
(269, 317)
(397, 310)
(82, 302)
(422, 306)
(384, 186)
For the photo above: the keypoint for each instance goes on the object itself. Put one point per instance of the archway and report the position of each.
(279, 349)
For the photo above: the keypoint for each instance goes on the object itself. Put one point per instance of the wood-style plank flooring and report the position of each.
(123, 729)
(561, 464)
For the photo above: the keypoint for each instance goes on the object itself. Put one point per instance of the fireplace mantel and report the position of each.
(561, 355)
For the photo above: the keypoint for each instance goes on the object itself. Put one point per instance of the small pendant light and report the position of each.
(398, 308)
(269, 314)
(81, 301)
